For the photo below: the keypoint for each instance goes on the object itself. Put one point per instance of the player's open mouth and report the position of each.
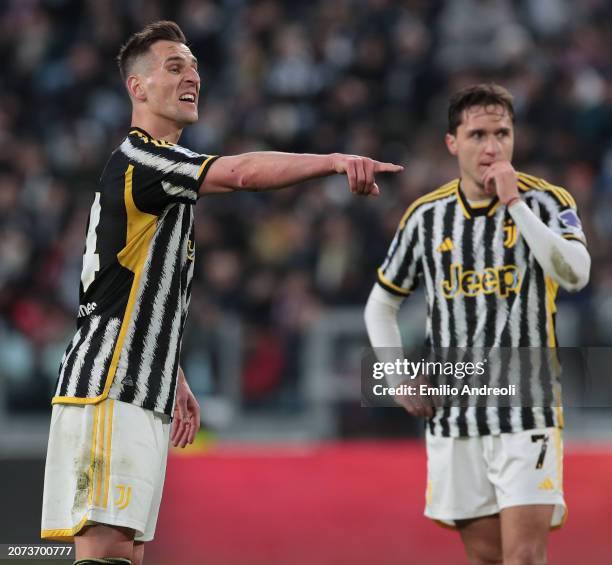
(187, 98)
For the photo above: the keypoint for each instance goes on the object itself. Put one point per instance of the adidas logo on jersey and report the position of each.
(446, 245)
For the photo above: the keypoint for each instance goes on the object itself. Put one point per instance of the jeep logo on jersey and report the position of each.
(502, 280)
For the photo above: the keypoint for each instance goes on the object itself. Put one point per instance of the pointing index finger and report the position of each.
(380, 167)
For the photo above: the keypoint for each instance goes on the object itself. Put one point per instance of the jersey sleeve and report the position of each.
(164, 173)
(401, 270)
(558, 211)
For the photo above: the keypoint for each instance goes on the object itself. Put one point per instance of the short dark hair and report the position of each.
(138, 44)
(490, 94)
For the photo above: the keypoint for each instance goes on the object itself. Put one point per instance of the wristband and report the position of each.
(512, 201)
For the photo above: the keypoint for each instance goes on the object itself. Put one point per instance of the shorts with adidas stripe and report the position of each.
(106, 464)
(471, 477)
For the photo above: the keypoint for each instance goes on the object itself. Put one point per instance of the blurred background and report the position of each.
(275, 334)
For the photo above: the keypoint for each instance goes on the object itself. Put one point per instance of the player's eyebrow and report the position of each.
(181, 59)
(505, 130)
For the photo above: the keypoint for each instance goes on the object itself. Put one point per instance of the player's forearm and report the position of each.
(270, 170)
(381, 318)
(567, 262)
(383, 330)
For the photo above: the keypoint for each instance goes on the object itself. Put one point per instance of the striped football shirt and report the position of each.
(136, 278)
(483, 287)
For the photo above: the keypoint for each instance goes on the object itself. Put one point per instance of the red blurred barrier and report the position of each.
(340, 504)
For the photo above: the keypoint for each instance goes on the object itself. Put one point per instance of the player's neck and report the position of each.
(473, 192)
(159, 129)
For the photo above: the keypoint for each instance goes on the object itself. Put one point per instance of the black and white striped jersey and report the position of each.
(483, 286)
(136, 278)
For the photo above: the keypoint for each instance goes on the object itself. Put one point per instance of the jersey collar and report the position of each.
(132, 128)
(472, 212)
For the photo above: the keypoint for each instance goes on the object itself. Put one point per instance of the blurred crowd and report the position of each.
(367, 77)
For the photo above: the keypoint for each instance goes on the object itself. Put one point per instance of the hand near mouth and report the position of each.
(500, 178)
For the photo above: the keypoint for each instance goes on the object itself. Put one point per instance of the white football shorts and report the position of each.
(106, 464)
(470, 477)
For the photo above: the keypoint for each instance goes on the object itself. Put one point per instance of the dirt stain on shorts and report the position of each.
(85, 470)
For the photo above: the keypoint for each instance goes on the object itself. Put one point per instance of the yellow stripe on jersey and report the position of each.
(140, 230)
(557, 404)
(522, 186)
(572, 236)
(437, 194)
(203, 165)
(562, 195)
(388, 283)
(551, 295)
(460, 200)
(479, 205)
(492, 211)
(156, 142)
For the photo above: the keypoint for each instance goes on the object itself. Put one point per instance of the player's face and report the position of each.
(485, 136)
(172, 82)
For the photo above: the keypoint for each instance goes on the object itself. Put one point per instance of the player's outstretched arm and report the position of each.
(269, 170)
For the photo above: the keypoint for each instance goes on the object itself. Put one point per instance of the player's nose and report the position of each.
(192, 76)
(492, 146)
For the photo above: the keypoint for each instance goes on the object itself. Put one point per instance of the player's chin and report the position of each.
(188, 117)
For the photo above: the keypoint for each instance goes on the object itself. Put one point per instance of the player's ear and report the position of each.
(451, 143)
(135, 88)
